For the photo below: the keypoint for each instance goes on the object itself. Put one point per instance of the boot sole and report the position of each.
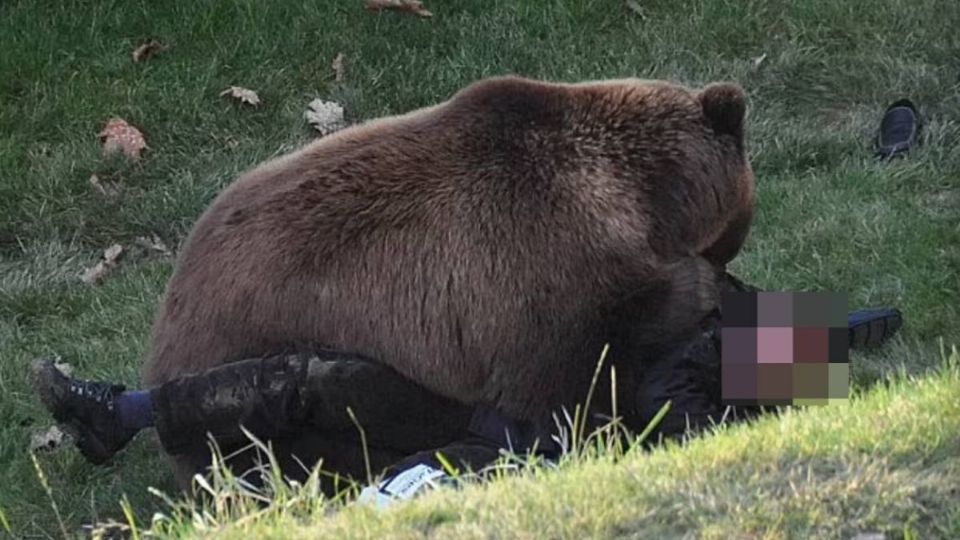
(875, 332)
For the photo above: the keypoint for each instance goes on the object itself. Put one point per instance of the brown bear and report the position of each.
(486, 248)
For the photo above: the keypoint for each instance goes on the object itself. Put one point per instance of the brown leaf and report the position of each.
(338, 68)
(95, 275)
(414, 7)
(148, 49)
(243, 95)
(154, 243)
(119, 136)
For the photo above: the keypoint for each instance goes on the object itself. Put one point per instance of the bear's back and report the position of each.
(468, 245)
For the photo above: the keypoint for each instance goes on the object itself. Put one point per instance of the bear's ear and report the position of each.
(724, 106)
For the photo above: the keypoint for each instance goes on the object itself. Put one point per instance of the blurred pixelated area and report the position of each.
(784, 348)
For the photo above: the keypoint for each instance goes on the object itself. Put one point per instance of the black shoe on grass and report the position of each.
(871, 327)
(84, 409)
(899, 130)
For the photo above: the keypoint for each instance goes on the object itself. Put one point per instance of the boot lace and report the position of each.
(98, 392)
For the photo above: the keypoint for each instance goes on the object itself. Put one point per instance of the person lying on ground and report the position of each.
(405, 426)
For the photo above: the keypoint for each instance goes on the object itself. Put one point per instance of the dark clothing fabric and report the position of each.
(282, 395)
(486, 424)
(689, 378)
(135, 409)
(300, 404)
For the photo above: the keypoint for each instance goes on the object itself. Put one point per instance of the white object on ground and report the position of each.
(404, 485)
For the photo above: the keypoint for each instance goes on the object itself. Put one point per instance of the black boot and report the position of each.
(85, 409)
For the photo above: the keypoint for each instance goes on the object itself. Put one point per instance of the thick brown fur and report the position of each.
(486, 247)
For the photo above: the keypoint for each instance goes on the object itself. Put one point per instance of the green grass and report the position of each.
(887, 463)
(830, 218)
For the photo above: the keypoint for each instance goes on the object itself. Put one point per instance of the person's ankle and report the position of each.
(135, 409)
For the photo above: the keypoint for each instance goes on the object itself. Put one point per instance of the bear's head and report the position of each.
(672, 155)
(683, 150)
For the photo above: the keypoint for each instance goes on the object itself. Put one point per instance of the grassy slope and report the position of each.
(830, 217)
(889, 462)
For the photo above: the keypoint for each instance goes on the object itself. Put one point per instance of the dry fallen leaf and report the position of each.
(108, 530)
(107, 189)
(408, 6)
(119, 136)
(325, 116)
(94, 275)
(112, 253)
(338, 72)
(154, 243)
(46, 440)
(63, 367)
(635, 7)
(758, 60)
(243, 95)
(148, 49)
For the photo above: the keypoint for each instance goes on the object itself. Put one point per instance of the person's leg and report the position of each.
(261, 394)
(393, 411)
(398, 418)
(271, 397)
(300, 404)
